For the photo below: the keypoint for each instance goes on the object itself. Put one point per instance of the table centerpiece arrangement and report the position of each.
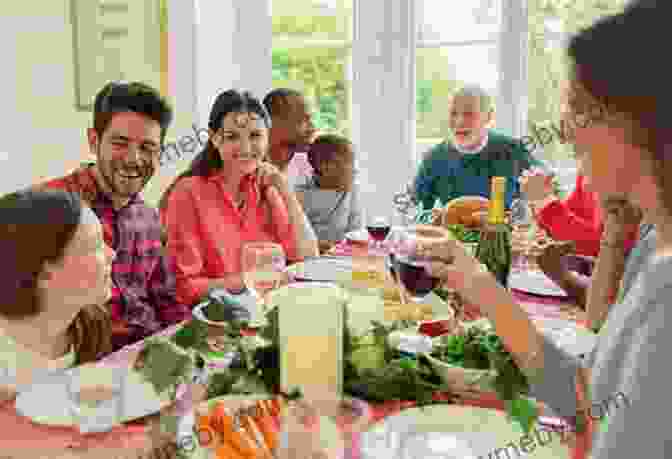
(376, 368)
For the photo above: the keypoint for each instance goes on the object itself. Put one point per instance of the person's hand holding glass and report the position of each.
(536, 185)
(410, 267)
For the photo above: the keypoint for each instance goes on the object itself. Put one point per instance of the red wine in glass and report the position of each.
(378, 232)
(415, 278)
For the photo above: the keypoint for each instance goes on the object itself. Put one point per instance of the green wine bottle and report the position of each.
(494, 247)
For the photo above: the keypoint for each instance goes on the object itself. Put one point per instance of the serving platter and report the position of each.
(456, 432)
(55, 400)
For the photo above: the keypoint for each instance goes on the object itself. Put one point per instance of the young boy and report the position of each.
(331, 197)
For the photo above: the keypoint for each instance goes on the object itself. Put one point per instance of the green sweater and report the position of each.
(447, 174)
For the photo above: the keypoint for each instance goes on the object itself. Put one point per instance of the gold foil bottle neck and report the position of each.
(497, 194)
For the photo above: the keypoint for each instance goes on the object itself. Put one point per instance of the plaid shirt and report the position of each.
(143, 292)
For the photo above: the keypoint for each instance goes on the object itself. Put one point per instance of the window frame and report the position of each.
(306, 42)
(422, 144)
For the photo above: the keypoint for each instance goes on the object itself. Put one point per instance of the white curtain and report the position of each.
(513, 74)
(383, 94)
(232, 49)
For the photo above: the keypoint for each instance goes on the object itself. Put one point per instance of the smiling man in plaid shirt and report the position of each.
(129, 127)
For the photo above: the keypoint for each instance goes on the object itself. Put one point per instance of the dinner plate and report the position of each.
(536, 283)
(323, 269)
(456, 432)
(573, 339)
(51, 401)
(360, 236)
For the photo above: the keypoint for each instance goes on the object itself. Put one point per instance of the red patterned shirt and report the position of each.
(143, 292)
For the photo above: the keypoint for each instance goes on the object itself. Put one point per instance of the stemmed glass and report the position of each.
(410, 268)
(378, 228)
(263, 267)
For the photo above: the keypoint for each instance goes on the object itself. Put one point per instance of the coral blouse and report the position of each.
(206, 230)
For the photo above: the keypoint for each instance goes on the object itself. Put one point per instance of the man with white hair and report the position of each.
(464, 165)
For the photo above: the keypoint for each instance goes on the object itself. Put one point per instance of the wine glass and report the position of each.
(378, 228)
(411, 269)
(263, 267)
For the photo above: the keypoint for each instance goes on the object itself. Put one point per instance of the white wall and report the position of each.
(43, 133)
(181, 90)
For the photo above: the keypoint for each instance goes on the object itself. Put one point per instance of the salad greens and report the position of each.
(480, 348)
(165, 365)
(464, 234)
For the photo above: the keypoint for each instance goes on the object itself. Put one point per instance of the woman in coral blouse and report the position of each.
(227, 197)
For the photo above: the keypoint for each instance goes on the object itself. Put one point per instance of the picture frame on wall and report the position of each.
(115, 40)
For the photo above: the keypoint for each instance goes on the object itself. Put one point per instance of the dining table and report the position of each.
(23, 431)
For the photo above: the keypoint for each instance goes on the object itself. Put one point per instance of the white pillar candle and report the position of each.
(311, 337)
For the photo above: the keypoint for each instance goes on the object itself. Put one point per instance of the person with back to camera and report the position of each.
(627, 153)
(55, 266)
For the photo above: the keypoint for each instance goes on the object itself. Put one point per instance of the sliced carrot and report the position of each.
(273, 406)
(281, 405)
(255, 436)
(260, 407)
(207, 436)
(227, 451)
(266, 407)
(223, 423)
(268, 430)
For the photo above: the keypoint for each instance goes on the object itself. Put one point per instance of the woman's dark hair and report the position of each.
(35, 227)
(208, 160)
(119, 96)
(615, 71)
(325, 148)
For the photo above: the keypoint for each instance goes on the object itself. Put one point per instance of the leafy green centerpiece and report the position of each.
(375, 369)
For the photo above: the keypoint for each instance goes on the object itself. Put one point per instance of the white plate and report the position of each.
(535, 282)
(572, 338)
(50, 401)
(456, 432)
(360, 235)
(323, 269)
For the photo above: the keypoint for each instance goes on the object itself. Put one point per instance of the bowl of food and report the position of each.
(462, 359)
(221, 312)
(462, 379)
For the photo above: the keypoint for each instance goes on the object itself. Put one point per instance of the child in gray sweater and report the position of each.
(331, 198)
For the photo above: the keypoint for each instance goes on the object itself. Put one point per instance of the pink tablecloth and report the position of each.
(34, 441)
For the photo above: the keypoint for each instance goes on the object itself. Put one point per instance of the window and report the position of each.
(550, 24)
(456, 44)
(312, 42)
